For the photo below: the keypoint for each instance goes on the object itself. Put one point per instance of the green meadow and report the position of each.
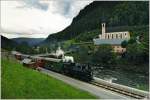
(19, 82)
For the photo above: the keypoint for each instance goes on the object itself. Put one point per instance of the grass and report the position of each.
(143, 87)
(19, 82)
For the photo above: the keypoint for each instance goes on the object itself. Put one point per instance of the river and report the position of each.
(130, 79)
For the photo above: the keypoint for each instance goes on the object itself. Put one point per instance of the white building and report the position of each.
(113, 38)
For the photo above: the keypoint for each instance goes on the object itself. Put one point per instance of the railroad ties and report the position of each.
(121, 91)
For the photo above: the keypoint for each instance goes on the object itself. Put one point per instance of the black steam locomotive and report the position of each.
(76, 70)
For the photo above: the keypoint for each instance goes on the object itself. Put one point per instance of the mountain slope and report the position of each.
(7, 44)
(30, 41)
(114, 13)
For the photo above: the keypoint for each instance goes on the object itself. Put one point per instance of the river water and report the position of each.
(130, 79)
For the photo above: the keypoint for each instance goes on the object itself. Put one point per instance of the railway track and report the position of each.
(120, 91)
(133, 95)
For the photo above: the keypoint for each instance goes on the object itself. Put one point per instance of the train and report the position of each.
(57, 64)
(79, 71)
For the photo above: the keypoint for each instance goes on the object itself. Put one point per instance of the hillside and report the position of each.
(121, 14)
(30, 41)
(19, 82)
(23, 45)
(7, 44)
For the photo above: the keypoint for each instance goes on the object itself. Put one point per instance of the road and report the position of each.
(97, 91)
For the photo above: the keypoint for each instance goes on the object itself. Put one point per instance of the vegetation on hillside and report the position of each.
(7, 43)
(30, 41)
(19, 82)
(114, 13)
(23, 47)
(104, 55)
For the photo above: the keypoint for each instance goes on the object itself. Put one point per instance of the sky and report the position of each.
(37, 18)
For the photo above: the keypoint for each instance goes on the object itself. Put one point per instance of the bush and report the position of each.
(104, 55)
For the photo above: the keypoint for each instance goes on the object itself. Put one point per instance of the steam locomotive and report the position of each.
(58, 64)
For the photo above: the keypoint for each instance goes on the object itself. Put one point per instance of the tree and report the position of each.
(104, 55)
(124, 44)
(84, 54)
(136, 53)
(24, 48)
(132, 40)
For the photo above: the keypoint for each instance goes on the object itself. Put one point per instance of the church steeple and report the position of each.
(103, 28)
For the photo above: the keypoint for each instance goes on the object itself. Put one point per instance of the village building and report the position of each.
(113, 38)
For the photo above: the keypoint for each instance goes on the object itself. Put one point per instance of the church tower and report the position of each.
(103, 28)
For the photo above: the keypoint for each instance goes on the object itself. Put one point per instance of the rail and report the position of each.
(132, 92)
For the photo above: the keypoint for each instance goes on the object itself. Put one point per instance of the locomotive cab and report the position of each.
(77, 70)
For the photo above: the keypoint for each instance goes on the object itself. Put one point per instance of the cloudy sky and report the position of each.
(37, 18)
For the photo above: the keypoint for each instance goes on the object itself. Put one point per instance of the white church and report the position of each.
(113, 38)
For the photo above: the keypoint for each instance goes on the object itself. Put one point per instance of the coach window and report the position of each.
(116, 35)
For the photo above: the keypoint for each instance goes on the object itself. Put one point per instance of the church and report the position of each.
(113, 38)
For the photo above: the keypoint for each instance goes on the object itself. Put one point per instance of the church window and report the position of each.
(116, 35)
(121, 36)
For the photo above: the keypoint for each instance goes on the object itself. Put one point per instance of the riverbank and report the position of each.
(123, 77)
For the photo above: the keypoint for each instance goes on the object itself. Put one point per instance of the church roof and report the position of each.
(108, 41)
(117, 29)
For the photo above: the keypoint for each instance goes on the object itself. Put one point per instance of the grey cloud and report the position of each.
(63, 7)
(69, 8)
(15, 32)
(34, 4)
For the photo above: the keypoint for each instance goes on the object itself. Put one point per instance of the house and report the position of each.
(113, 38)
